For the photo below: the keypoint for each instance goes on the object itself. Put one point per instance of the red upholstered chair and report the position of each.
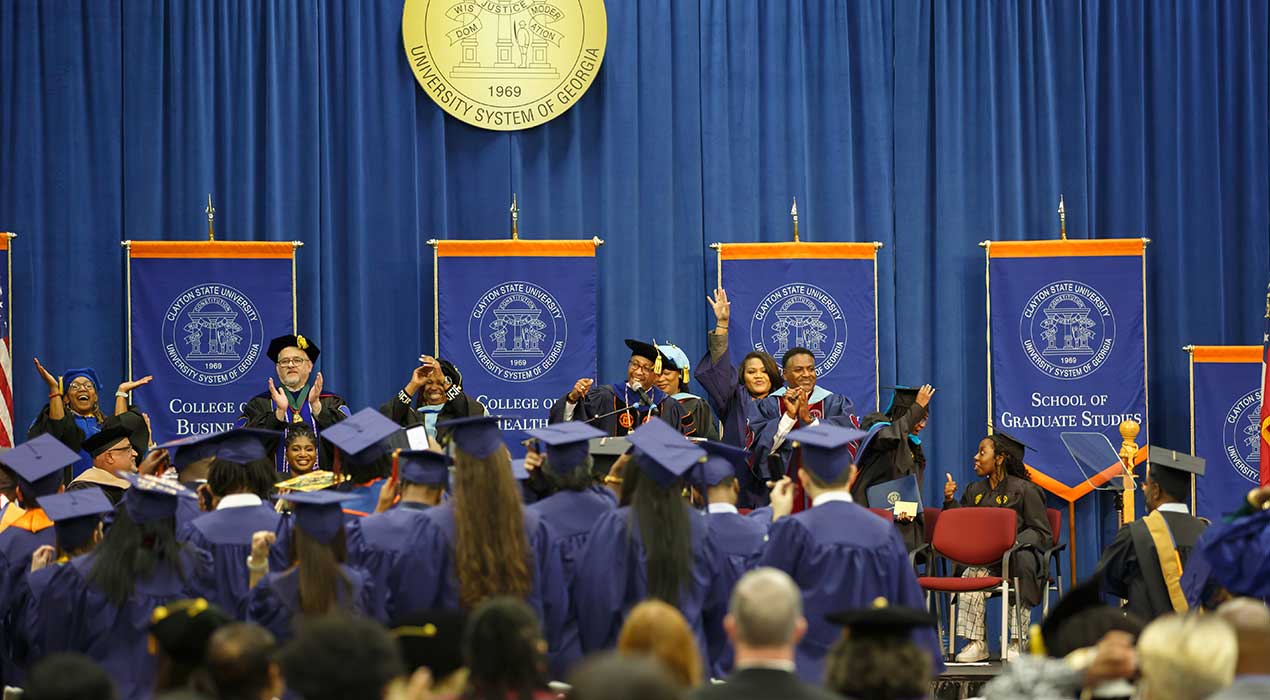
(974, 537)
(931, 516)
(1051, 563)
(884, 514)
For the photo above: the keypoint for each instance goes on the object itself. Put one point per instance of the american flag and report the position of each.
(1265, 397)
(6, 356)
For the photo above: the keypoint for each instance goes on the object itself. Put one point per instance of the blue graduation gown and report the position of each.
(116, 636)
(17, 544)
(382, 545)
(25, 638)
(612, 578)
(765, 418)
(226, 535)
(842, 556)
(367, 498)
(274, 603)
(605, 398)
(1233, 555)
(570, 516)
(739, 540)
(726, 396)
(548, 597)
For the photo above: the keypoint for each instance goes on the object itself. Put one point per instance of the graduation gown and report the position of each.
(27, 638)
(111, 485)
(890, 453)
(1025, 499)
(17, 543)
(116, 636)
(258, 412)
(716, 372)
(1234, 555)
(739, 541)
(612, 578)
(570, 516)
(698, 420)
(274, 603)
(765, 417)
(842, 556)
(226, 535)
(604, 399)
(73, 429)
(407, 416)
(1136, 576)
(382, 544)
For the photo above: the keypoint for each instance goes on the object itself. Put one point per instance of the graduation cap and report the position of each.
(882, 621)
(75, 515)
(151, 498)
(674, 358)
(647, 351)
(568, 444)
(282, 342)
(38, 464)
(432, 639)
(319, 513)
(663, 452)
(363, 436)
(239, 445)
(824, 449)
(1172, 470)
(105, 439)
(135, 424)
(1085, 596)
(723, 461)
(478, 436)
(1009, 444)
(71, 374)
(424, 467)
(182, 628)
(901, 400)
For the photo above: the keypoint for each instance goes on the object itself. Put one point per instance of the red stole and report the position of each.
(801, 502)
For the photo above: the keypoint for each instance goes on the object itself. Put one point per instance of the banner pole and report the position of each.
(295, 290)
(127, 284)
(987, 286)
(1190, 366)
(718, 264)
(877, 347)
(436, 300)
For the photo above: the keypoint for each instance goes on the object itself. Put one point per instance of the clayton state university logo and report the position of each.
(212, 334)
(800, 315)
(1067, 329)
(517, 331)
(1241, 435)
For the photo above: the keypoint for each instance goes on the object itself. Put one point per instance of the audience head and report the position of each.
(318, 548)
(432, 639)
(111, 450)
(1250, 619)
(180, 631)
(1081, 619)
(876, 656)
(503, 649)
(1186, 657)
(68, 677)
(240, 663)
(759, 374)
(798, 366)
(765, 614)
(301, 450)
(225, 478)
(655, 629)
(340, 658)
(619, 677)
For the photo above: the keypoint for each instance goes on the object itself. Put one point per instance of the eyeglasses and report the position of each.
(641, 367)
(79, 386)
(124, 448)
(292, 361)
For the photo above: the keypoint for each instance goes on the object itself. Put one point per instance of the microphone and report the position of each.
(644, 399)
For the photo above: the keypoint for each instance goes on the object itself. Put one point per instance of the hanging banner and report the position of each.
(1066, 349)
(820, 296)
(200, 317)
(517, 318)
(1225, 425)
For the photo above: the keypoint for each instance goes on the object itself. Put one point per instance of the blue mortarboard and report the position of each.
(663, 453)
(363, 436)
(319, 513)
(240, 445)
(478, 436)
(723, 461)
(423, 467)
(824, 449)
(69, 376)
(38, 464)
(519, 472)
(151, 498)
(75, 515)
(568, 444)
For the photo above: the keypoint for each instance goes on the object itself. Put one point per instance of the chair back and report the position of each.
(975, 536)
(1055, 516)
(883, 513)
(931, 516)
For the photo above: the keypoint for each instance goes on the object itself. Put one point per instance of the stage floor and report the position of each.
(962, 681)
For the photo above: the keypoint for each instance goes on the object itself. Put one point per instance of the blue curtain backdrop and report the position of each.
(926, 126)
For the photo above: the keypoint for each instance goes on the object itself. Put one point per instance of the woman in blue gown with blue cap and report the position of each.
(317, 580)
(111, 592)
(655, 545)
(484, 543)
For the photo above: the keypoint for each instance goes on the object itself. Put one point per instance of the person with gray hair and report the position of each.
(1250, 619)
(764, 623)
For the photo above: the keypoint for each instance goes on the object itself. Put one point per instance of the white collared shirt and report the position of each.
(828, 496)
(771, 664)
(239, 500)
(721, 508)
(1174, 508)
(782, 429)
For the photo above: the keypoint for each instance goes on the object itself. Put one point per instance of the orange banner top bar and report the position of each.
(211, 249)
(519, 248)
(1227, 353)
(1069, 248)
(5, 237)
(778, 251)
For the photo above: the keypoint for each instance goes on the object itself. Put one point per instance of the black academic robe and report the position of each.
(699, 420)
(258, 412)
(408, 416)
(1025, 499)
(604, 399)
(1136, 576)
(72, 430)
(891, 454)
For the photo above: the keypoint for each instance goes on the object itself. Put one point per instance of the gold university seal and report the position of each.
(505, 64)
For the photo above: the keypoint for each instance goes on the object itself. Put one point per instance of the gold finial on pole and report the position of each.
(1128, 456)
(515, 219)
(1062, 221)
(793, 211)
(211, 214)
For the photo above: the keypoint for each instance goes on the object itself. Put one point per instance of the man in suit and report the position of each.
(1251, 620)
(765, 623)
